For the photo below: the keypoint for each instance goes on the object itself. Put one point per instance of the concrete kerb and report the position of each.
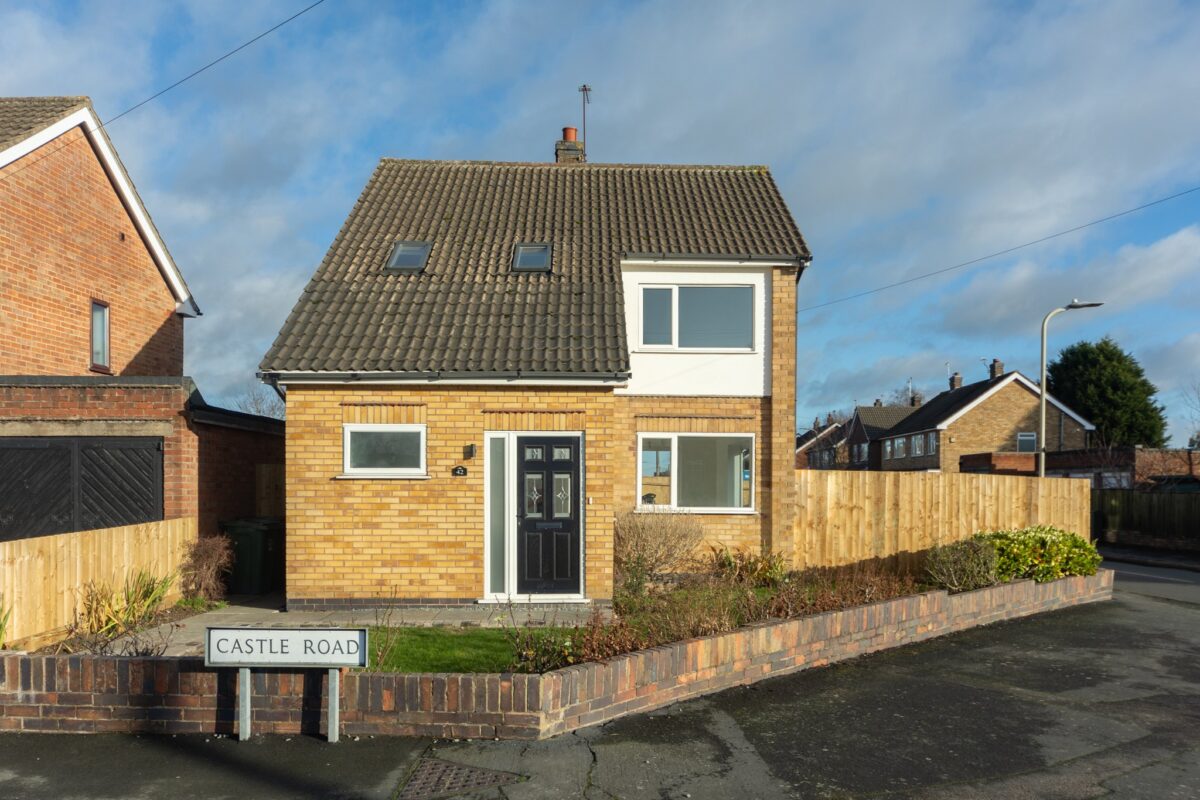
(175, 695)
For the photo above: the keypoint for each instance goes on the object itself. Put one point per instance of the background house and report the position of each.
(867, 426)
(996, 415)
(823, 446)
(99, 426)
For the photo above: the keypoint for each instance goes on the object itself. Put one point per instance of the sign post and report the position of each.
(298, 648)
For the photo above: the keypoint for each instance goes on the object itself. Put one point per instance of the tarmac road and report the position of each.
(1098, 701)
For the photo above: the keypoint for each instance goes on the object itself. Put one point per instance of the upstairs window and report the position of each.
(698, 317)
(531, 258)
(409, 257)
(887, 448)
(918, 445)
(899, 448)
(932, 443)
(1026, 442)
(100, 358)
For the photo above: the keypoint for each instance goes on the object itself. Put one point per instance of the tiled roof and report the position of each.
(878, 420)
(830, 436)
(467, 312)
(21, 117)
(943, 406)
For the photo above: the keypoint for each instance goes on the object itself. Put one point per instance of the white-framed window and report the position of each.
(932, 442)
(899, 448)
(1026, 442)
(100, 357)
(700, 317)
(383, 451)
(887, 448)
(702, 472)
(918, 445)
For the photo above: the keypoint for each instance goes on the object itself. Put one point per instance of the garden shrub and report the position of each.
(962, 566)
(744, 567)
(204, 567)
(1042, 553)
(651, 544)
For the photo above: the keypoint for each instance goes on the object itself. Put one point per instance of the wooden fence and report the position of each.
(843, 517)
(40, 577)
(1165, 520)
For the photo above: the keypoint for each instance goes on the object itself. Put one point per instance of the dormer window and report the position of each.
(409, 257)
(531, 258)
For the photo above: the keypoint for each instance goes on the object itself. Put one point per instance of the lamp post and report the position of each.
(1041, 442)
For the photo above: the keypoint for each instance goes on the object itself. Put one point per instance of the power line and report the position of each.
(1003, 252)
(177, 83)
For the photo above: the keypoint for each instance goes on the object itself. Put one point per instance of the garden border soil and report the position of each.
(93, 694)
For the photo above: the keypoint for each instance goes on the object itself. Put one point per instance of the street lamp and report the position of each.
(1041, 442)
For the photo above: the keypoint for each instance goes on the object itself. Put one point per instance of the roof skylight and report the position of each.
(528, 257)
(409, 256)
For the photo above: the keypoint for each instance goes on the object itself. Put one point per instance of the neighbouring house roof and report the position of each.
(830, 436)
(951, 404)
(29, 123)
(878, 420)
(467, 313)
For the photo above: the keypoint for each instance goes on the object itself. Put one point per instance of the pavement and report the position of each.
(1097, 701)
(186, 636)
(1148, 557)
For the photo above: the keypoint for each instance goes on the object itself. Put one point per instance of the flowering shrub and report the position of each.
(1042, 553)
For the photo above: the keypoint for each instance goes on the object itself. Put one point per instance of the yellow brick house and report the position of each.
(494, 359)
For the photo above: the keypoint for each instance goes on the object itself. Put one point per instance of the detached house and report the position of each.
(99, 427)
(494, 359)
(992, 417)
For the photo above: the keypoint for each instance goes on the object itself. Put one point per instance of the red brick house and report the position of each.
(99, 426)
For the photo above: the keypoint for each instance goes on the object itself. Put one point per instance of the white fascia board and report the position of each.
(293, 378)
(703, 262)
(1015, 377)
(185, 303)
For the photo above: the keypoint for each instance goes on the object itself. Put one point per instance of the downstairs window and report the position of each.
(698, 472)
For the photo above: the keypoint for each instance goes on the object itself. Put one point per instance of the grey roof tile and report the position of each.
(21, 117)
(467, 312)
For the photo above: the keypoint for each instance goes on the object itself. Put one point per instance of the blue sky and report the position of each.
(905, 137)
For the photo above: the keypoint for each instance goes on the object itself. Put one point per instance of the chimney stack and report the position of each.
(956, 381)
(816, 423)
(878, 403)
(829, 418)
(914, 400)
(569, 150)
(995, 369)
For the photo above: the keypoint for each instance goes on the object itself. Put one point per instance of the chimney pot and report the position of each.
(956, 381)
(995, 369)
(569, 134)
(569, 150)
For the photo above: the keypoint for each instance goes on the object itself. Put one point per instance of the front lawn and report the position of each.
(440, 650)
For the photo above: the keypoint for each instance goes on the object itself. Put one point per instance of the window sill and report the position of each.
(696, 350)
(367, 476)
(101, 370)
(739, 512)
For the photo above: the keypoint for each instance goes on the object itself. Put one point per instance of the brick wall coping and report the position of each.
(93, 694)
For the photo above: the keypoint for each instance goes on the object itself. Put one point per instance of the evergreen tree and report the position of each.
(1108, 387)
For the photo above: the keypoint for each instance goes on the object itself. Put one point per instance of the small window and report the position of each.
(899, 449)
(657, 324)
(918, 445)
(384, 450)
(887, 448)
(531, 258)
(1026, 442)
(932, 443)
(409, 256)
(100, 359)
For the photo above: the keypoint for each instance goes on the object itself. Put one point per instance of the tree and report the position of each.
(1192, 398)
(259, 399)
(1108, 386)
(903, 396)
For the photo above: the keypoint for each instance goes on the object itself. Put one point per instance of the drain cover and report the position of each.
(436, 778)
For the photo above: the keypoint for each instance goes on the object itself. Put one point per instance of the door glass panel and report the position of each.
(498, 499)
(562, 452)
(562, 495)
(535, 494)
(534, 454)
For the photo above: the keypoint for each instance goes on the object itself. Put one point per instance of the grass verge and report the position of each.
(442, 650)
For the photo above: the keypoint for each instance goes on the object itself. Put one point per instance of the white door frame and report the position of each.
(510, 520)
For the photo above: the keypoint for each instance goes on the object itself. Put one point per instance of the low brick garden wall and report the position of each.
(92, 694)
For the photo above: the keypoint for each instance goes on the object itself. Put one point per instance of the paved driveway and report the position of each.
(1100, 701)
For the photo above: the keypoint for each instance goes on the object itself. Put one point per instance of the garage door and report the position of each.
(55, 484)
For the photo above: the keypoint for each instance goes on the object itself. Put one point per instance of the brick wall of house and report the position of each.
(227, 461)
(113, 411)
(61, 245)
(423, 539)
(992, 426)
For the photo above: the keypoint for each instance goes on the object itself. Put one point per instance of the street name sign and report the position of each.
(287, 648)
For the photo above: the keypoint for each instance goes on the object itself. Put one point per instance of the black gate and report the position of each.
(55, 484)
